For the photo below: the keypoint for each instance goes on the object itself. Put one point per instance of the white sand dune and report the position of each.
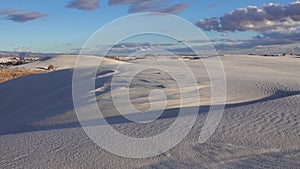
(60, 62)
(259, 128)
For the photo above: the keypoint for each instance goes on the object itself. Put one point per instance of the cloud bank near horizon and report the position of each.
(269, 18)
(275, 24)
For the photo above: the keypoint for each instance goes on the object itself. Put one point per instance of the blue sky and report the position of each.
(65, 25)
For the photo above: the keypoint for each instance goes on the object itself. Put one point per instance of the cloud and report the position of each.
(18, 16)
(141, 44)
(177, 8)
(209, 24)
(135, 6)
(151, 6)
(275, 24)
(268, 18)
(86, 5)
(259, 41)
(255, 42)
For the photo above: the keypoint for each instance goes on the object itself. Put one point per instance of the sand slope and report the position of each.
(259, 129)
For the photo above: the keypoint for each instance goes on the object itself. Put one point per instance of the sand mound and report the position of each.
(260, 126)
(63, 62)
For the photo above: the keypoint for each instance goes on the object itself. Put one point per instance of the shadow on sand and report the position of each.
(65, 104)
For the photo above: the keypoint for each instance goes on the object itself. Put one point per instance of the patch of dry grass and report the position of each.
(8, 74)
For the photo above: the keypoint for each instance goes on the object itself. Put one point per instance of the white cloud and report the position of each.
(269, 18)
(276, 24)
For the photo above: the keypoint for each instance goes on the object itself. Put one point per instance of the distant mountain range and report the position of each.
(26, 54)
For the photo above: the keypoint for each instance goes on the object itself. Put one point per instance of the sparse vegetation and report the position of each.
(16, 61)
(8, 74)
(50, 68)
(191, 57)
(116, 58)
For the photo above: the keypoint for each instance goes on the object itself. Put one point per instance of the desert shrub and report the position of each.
(116, 58)
(14, 62)
(8, 74)
(50, 68)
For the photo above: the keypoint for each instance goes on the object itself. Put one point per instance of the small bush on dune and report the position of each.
(50, 68)
(116, 58)
(191, 57)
